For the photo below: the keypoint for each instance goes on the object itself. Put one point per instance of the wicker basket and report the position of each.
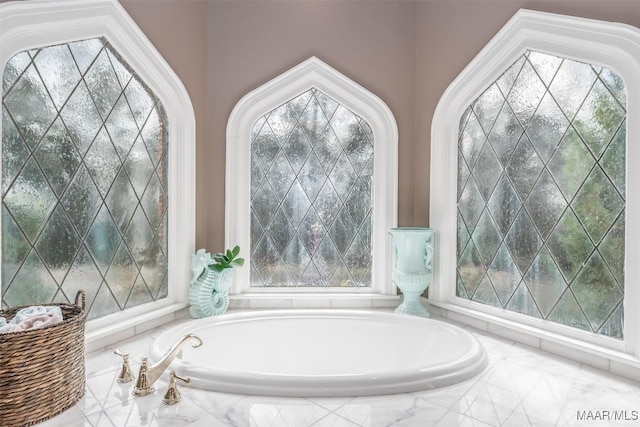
(42, 371)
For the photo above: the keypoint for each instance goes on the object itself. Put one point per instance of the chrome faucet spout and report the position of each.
(154, 371)
(148, 375)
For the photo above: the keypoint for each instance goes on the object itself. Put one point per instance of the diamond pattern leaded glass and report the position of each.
(84, 198)
(541, 194)
(311, 171)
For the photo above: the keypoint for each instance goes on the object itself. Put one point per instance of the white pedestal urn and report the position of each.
(412, 274)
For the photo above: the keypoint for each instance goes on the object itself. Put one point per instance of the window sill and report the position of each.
(613, 361)
(280, 299)
(110, 329)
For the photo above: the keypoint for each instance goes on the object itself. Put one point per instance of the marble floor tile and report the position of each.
(330, 403)
(102, 392)
(587, 374)
(359, 412)
(333, 420)
(541, 412)
(520, 418)
(551, 388)
(395, 410)
(212, 402)
(100, 419)
(97, 363)
(302, 414)
(453, 418)
(148, 412)
(448, 396)
(72, 417)
(494, 345)
(539, 359)
(512, 375)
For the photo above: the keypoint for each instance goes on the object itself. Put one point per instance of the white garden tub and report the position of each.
(312, 353)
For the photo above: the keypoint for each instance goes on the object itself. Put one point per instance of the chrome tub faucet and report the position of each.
(148, 375)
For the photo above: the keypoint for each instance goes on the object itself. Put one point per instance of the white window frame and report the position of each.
(312, 73)
(38, 23)
(612, 45)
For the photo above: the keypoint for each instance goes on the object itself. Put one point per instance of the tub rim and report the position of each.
(400, 380)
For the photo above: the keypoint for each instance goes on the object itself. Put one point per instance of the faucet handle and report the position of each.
(125, 374)
(173, 396)
(143, 385)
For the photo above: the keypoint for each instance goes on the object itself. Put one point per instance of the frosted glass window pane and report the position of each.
(84, 201)
(541, 206)
(311, 195)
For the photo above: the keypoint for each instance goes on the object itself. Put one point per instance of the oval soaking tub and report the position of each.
(330, 353)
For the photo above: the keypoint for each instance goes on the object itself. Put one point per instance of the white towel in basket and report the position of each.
(31, 318)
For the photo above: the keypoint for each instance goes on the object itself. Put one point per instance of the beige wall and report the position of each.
(222, 49)
(252, 42)
(405, 52)
(178, 29)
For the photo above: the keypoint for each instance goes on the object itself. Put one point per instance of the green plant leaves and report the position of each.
(217, 267)
(227, 259)
(237, 262)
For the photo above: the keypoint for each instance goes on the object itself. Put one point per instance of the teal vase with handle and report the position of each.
(412, 273)
(209, 290)
(209, 295)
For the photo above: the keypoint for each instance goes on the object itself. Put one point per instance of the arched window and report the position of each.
(97, 137)
(311, 185)
(541, 184)
(531, 146)
(84, 166)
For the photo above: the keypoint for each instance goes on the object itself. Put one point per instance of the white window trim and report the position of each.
(312, 73)
(37, 23)
(615, 46)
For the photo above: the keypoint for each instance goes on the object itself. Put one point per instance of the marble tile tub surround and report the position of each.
(522, 386)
